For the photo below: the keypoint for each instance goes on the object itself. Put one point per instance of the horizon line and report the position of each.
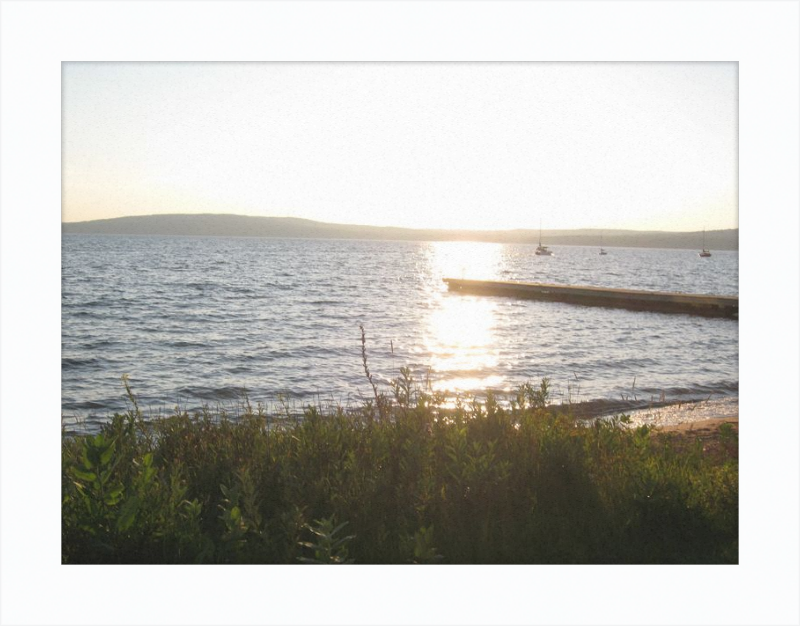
(423, 228)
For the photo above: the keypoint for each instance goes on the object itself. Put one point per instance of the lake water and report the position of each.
(194, 321)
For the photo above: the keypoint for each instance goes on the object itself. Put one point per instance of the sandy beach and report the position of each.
(701, 427)
(684, 416)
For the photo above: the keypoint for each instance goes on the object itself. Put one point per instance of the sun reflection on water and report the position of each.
(461, 330)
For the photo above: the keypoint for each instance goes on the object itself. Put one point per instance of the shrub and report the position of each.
(410, 480)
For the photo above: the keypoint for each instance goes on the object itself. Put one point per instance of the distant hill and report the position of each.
(208, 225)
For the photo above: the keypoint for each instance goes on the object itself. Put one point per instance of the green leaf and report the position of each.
(148, 473)
(87, 462)
(128, 513)
(114, 496)
(111, 500)
(81, 475)
(194, 508)
(106, 455)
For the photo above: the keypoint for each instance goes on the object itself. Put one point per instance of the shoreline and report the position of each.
(681, 415)
(701, 427)
(668, 414)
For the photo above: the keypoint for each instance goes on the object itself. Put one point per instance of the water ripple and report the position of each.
(204, 318)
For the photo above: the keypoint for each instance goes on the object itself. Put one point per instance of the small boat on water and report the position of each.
(704, 252)
(602, 249)
(540, 249)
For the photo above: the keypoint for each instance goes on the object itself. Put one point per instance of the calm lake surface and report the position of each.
(194, 321)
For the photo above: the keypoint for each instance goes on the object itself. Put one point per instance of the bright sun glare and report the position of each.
(461, 329)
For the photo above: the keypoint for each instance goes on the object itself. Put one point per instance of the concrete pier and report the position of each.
(660, 301)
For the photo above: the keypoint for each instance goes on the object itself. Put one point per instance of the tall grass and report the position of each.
(402, 480)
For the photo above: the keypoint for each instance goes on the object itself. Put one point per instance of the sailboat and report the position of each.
(705, 251)
(602, 250)
(540, 249)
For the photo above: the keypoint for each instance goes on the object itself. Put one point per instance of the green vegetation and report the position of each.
(401, 480)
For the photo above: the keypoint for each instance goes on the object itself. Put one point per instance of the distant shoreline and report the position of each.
(216, 225)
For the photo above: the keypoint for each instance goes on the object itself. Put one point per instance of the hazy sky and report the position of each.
(432, 145)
